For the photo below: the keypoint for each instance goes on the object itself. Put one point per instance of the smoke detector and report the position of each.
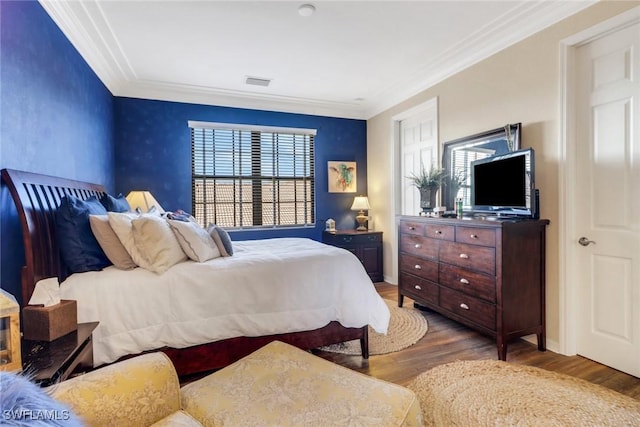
(306, 10)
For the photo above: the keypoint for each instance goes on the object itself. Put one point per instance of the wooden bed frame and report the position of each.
(37, 197)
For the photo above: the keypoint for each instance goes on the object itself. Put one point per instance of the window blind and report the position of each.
(246, 177)
(461, 160)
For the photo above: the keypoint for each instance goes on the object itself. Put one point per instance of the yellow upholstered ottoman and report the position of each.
(285, 386)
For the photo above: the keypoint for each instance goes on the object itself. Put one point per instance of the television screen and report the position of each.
(504, 183)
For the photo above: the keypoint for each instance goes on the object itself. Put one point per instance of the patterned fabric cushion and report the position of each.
(177, 419)
(135, 392)
(285, 386)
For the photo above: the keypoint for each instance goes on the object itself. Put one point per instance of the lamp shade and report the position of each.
(360, 203)
(143, 200)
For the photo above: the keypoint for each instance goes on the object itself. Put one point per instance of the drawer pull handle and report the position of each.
(411, 227)
(464, 256)
(418, 287)
(464, 306)
(438, 232)
(417, 267)
(474, 236)
(417, 245)
(464, 281)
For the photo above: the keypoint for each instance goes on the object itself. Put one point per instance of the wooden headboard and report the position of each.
(36, 198)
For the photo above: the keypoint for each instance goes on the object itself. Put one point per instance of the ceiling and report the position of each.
(350, 59)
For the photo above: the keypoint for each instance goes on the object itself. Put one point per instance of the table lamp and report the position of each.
(361, 203)
(143, 200)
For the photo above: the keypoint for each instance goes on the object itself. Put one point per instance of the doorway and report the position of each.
(600, 287)
(415, 144)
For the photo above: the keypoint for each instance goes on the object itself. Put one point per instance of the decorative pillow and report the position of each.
(181, 215)
(120, 223)
(222, 239)
(110, 243)
(79, 248)
(194, 240)
(115, 204)
(156, 243)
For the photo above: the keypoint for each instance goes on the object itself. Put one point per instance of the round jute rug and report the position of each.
(406, 327)
(496, 393)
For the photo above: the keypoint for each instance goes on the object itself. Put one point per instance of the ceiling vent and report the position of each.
(258, 81)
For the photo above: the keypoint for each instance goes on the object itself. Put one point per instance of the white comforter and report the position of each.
(267, 287)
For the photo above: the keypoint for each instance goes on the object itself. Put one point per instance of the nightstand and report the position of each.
(366, 245)
(55, 361)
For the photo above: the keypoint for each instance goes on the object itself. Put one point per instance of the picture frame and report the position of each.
(342, 176)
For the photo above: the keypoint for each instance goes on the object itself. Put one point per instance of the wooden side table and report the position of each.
(366, 245)
(55, 361)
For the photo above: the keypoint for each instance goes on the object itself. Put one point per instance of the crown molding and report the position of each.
(499, 34)
(164, 91)
(86, 27)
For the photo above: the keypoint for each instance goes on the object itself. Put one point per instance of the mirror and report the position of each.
(458, 155)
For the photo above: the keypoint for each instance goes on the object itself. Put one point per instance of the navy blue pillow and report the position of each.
(115, 204)
(79, 248)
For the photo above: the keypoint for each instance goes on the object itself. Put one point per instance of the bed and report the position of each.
(201, 325)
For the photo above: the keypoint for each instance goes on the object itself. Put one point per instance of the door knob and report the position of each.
(585, 242)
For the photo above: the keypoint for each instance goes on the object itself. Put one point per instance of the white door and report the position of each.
(418, 149)
(607, 223)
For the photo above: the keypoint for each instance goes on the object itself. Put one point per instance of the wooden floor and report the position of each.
(447, 341)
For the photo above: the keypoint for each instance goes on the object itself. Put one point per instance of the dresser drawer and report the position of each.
(473, 309)
(419, 267)
(439, 231)
(419, 289)
(469, 282)
(348, 239)
(410, 227)
(478, 258)
(476, 236)
(419, 246)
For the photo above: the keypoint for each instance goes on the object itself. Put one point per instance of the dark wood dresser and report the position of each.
(488, 275)
(366, 245)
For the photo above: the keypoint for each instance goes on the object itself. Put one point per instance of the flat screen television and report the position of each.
(503, 185)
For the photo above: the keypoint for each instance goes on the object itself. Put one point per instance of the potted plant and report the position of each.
(428, 182)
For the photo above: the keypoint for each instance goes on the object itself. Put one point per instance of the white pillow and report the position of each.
(156, 243)
(120, 222)
(194, 240)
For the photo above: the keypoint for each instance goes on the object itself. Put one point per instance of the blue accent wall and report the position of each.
(153, 152)
(56, 116)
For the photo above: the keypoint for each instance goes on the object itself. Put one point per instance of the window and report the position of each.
(249, 176)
